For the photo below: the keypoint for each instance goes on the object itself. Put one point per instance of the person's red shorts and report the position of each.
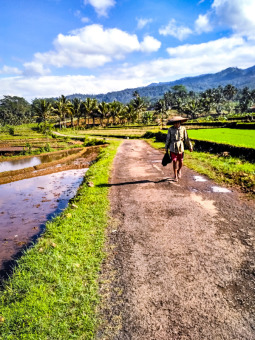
(176, 156)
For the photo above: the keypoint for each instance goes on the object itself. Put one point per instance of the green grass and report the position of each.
(231, 171)
(53, 292)
(236, 137)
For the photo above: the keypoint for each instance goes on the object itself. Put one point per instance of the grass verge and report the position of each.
(53, 291)
(231, 171)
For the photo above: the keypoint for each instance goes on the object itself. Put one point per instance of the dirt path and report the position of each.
(182, 262)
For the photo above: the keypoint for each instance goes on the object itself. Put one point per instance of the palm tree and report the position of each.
(115, 109)
(218, 99)
(89, 108)
(246, 99)
(43, 109)
(77, 112)
(63, 108)
(139, 105)
(103, 109)
(130, 113)
(193, 107)
(207, 100)
(229, 92)
(160, 108)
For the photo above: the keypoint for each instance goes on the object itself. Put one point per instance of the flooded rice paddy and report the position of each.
(26, 205)
(17, 164)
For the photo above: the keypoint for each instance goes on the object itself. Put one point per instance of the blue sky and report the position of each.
(54, 47)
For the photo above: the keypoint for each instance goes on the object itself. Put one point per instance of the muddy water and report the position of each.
(26, 205)
(18, 164)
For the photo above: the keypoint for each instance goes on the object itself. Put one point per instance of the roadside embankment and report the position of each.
(65, 163)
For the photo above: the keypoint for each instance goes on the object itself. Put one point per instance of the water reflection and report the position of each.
(17, 164)
(26, 205)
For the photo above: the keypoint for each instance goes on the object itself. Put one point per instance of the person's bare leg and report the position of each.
(175, 170)
(179, 173)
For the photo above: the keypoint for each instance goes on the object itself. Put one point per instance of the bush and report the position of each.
(93, 141)
(11, 130)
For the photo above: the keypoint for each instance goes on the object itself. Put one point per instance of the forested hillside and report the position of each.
(239, 78)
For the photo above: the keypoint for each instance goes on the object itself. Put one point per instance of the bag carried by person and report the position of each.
(166, 159)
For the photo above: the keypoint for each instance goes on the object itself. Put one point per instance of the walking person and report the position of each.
(176, 138)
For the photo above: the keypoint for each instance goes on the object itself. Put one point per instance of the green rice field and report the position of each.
(236, 137)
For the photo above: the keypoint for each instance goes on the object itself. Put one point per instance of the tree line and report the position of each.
(16, 110)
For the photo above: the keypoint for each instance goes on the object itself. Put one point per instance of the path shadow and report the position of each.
(108, 185)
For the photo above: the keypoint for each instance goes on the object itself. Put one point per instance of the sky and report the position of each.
(54, 47)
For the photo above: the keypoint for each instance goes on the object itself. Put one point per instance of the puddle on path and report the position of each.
(26, 205)
(17, 164)
(219, 189)
(199, 179)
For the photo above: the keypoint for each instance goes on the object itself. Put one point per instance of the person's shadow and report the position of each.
(108, 185)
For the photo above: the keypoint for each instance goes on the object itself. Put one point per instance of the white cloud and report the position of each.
(179, 32)
(150, 44)
(54, 86)
(10, 70)
(186, 60)
(101, 6)
(191, 60)
(238, 14)
(141, 23)
(35, 68)
(222, 46)
(202, 24)
(89, 47)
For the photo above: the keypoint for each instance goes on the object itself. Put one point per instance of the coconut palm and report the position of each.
(43, 109)
(193, 107)
(130, 113)
(139, 106)
(160, 109)
(246, 99)
(103, 110)
(89, 108)
(229, 92)
(77, 112)
(63, 108)
(115, 109)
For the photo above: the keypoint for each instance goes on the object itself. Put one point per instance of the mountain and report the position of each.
(232, 75)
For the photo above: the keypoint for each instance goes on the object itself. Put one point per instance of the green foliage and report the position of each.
(45, 128)
(46, 148)
(93, 141)
(158, 136)
(11, 130)
(27, 149)
(15, 111)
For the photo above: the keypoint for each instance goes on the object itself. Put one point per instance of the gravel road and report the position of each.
(181, 259)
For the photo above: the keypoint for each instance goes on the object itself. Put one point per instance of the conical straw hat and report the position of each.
(177, 119)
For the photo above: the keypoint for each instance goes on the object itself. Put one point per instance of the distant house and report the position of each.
(251, 109)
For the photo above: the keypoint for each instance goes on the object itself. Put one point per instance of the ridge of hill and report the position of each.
(237, 77)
